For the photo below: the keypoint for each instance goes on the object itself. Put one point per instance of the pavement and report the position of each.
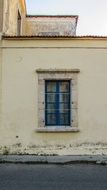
(53, 177)
(66, 159)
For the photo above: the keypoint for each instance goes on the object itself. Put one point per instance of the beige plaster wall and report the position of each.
(1, 15)
(0, 85)
(20, 96)
(11, 8)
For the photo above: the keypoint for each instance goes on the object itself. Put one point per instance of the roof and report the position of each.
(53, 16)
(87, 37)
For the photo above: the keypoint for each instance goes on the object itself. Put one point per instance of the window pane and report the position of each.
(51, 86)
(64, 97)
(51, 111)
(63, 106)
(51, 106)
(64, 119)
(51, 97)
(64, 111)
(51, 119)
(64, 86)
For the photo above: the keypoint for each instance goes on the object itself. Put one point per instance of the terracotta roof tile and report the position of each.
(89, 37)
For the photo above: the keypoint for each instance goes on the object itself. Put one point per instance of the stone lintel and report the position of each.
(41, 71)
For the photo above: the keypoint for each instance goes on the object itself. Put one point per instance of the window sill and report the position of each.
(56, 130)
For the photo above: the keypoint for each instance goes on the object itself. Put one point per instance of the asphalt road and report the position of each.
(53, 177)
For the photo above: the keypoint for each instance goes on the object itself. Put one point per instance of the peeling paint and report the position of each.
(80, 149)
(51, 26)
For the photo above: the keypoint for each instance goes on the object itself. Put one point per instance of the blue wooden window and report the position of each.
(57, 103)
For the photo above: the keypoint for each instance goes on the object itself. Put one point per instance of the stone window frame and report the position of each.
(57, 74)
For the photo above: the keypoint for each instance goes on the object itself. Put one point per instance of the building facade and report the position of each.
(52, 87)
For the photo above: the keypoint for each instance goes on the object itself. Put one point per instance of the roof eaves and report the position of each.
(56, 16)
(56, 37)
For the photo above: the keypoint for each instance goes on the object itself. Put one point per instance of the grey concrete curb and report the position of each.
(70, 159)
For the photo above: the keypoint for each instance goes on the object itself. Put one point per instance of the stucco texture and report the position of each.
(10, 14)
(48, 26)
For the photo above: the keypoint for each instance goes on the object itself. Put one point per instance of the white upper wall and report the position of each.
(51, 25)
